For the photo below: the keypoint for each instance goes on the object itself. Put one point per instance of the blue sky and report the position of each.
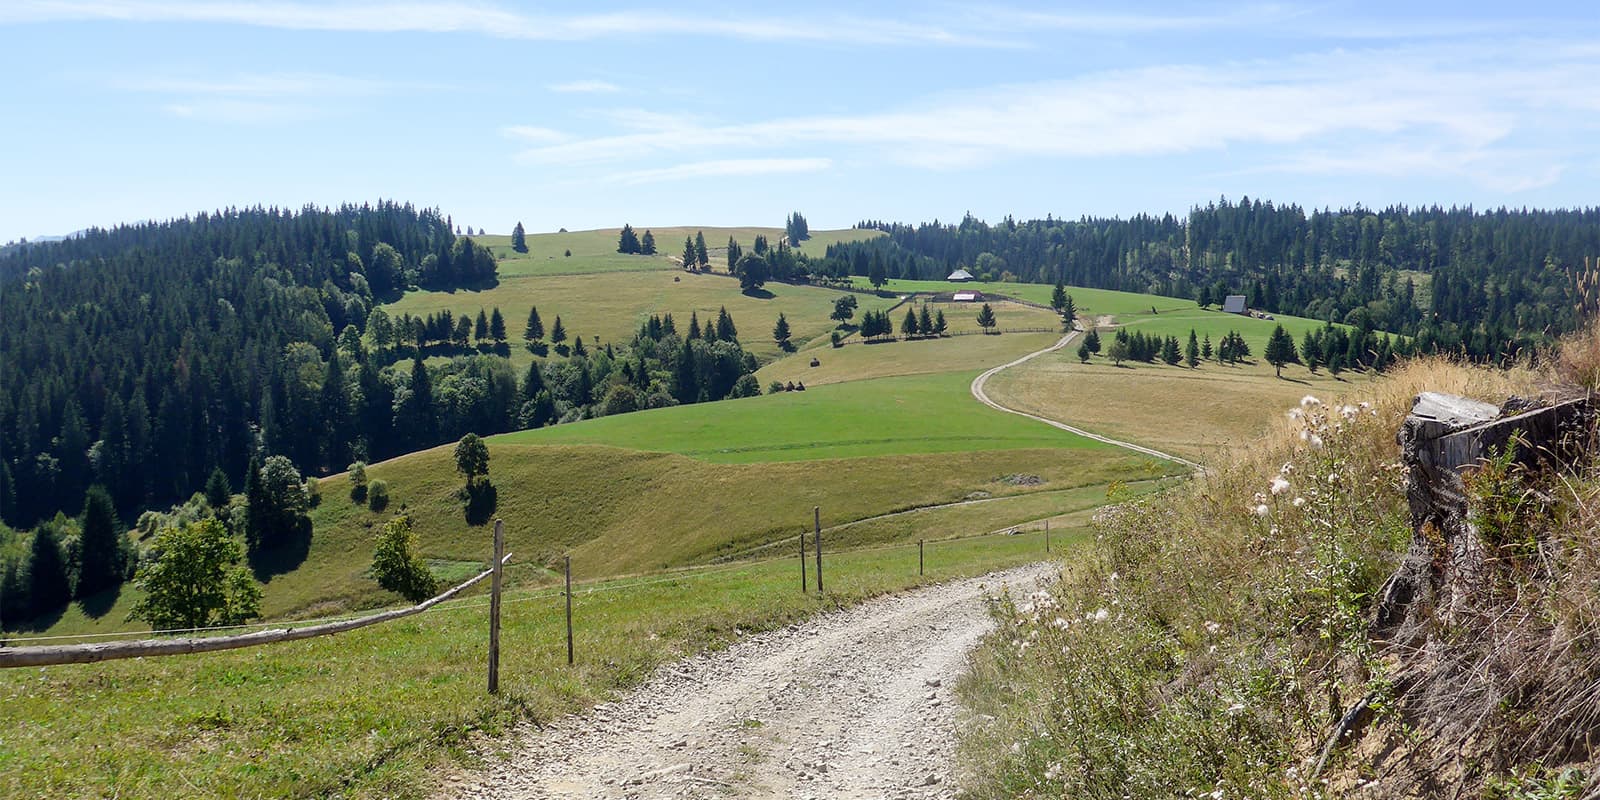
(590, 115)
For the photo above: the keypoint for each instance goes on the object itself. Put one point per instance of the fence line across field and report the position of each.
(281, 631)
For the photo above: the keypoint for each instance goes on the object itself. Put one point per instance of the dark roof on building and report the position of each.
(1234, 304)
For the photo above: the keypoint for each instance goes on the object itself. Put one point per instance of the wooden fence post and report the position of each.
(1047, 536)
(919, 558)
(804, 584)
(816, 518)
(569, 610)
(494, 607)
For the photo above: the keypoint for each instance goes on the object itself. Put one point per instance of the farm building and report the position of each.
(1234, 304)
(966, 297)
(959, 276)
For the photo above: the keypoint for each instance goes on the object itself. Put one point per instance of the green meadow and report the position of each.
(596, 250)
(883, 416)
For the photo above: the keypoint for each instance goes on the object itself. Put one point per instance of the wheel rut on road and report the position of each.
(851, 704)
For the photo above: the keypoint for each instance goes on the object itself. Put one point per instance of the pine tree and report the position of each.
(628, 242)
(689, 258)
(1092, 341)
(647, 246)
(694, 325)
(780, 332)
(876, 276)
(1083, 352)
(939, 323)
(535, 329)
(1191, 353)
(1058, 298)
(100, 546)
(1311, 351)
(218, 491)
(725, 328)
(1205, 347)
(497, 326)
(1280, 349)
(1169, 351)
(336, 415)
(986, 319)
(578, 350)
(733, 253)
(925, 322)
(48, 585)
(1069, 313)
(908, 326)
(701, 257)
(558, 332)
(480, 329)
(519, 241)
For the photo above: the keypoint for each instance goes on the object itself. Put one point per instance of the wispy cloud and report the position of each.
(534, 134)
(450, 16)
(723, 168)
(254, 99)
(1463, 102)
(585, 87)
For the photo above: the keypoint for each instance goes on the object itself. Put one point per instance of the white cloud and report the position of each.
(722, 168)
(534, 134)
(1465, 103)
(585, 87)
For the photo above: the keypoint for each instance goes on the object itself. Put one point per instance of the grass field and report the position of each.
(371, 712)
(596, 251)
(884, 416)
(1172, 317)
(1194, 413)
(623, 512)
(857, 361)
(614, 305)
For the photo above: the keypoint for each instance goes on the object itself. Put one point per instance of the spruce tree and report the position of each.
(628, 241)
(1069, 313)
(908, 326)
(1205, 347)
(733, 253)
(1169, 351)
(694, 325)
(100, 547)
(1280, 349)
(725, 327)
(925, 322)
(218, 492)
(497, 326)
(939, 323)
(558, 332)
(519, 241)
(647, 246)
(48, 585)
(1092, 341)
(1191, 353)
(1311, 351)
(480, 329)
(1058, 298)
(535, 329)
(689, 258)
(1083, 352)
(701, 257)
(986, 318)
(780, 332)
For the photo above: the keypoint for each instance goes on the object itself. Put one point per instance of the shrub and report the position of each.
(358, 482)
(396, 565)
(378, 495)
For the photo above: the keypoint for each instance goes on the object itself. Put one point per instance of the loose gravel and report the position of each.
(851, 704)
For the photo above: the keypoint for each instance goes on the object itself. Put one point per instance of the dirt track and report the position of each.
(854, 704)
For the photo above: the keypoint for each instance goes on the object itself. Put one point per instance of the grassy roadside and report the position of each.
(369, 713)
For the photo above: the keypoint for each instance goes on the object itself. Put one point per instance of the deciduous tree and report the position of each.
(191, 578)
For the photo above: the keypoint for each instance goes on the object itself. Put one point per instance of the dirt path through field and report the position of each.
(852, 704)
(983, 397)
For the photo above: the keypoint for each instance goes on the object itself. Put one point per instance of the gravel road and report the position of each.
(852, 704)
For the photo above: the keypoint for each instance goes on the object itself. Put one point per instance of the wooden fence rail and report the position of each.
(108, 651)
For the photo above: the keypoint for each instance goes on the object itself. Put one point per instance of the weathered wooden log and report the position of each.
(109, 651)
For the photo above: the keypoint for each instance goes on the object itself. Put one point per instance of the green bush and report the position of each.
(378, 495)
(397, 567)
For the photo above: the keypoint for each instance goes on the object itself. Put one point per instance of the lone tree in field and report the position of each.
(647, 246)
(780, 332)
(628, 241)
(1280, 349)
(986, 318)
(535, 328)
(192, 579)
(844, 309)
(753, 272)
(396, 565)
(519, 239)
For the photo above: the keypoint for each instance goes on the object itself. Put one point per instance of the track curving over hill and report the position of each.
(983, 397)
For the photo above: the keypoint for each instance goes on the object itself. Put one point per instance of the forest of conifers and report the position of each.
(1484, 283)
(143, 357)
